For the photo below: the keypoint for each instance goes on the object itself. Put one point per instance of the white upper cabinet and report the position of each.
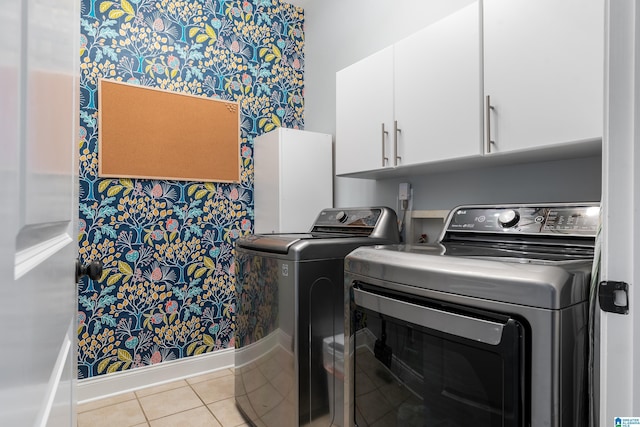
(437, 87)
(414, 102)
(523, 77)
(364, 114)
(543, 72)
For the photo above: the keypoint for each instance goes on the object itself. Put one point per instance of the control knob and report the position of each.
(508, 218)
(341, 216)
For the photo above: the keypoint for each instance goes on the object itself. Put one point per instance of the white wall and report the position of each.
(523, 183)
(341, 32)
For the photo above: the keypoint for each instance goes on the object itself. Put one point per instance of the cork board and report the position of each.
(157, 134)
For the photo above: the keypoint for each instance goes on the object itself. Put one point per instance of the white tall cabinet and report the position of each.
(293, 180)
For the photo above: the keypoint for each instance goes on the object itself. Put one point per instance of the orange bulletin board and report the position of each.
(157, 134)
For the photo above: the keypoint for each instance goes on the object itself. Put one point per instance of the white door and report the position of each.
(39, 51)
(364, 114)
(543, 71)
(619, 376)
(437, 88)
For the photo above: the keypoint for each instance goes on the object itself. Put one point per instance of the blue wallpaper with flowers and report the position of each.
(167, 291)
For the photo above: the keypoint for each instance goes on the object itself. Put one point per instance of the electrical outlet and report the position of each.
(404, 192)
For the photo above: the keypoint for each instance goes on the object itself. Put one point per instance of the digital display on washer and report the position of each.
(571, 220)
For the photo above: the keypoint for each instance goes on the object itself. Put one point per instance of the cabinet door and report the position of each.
(543, 71)
(364, 107)
(437, 90)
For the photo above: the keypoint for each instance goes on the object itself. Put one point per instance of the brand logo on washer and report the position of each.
(285, 270)
(461, 212)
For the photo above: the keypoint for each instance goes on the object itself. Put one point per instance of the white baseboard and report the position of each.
(122, 382)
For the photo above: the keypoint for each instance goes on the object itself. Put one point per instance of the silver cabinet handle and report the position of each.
(385, 159)
(488, 140)
(396, 131)
(470, 328)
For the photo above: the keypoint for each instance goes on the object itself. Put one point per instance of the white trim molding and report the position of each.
(29, 258)
(95, 388)
(619, 352)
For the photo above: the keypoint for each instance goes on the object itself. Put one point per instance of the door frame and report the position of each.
(619, 379)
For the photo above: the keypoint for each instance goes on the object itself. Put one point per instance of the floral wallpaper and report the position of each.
(167, 291)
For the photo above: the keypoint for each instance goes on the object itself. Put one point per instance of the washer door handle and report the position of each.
(471, 328)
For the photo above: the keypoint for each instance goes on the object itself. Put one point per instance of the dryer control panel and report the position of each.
(565, 219)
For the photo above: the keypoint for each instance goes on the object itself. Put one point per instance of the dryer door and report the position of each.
(420, 364)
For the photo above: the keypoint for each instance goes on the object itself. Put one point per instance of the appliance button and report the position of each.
(509, 218)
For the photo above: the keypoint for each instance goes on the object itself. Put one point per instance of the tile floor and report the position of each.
(205, 400)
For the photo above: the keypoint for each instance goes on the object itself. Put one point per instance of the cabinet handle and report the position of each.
(488, 140)
(396, 131)
(385, 159)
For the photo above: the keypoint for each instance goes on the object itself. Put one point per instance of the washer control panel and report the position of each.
(568, 219)
(358, 217)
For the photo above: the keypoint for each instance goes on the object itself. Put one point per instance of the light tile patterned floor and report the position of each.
(205, 400)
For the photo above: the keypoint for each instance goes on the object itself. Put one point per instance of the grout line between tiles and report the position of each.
(146, 416)
(101, 407)
(143, 411)
(205, 404)
(178, 412)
